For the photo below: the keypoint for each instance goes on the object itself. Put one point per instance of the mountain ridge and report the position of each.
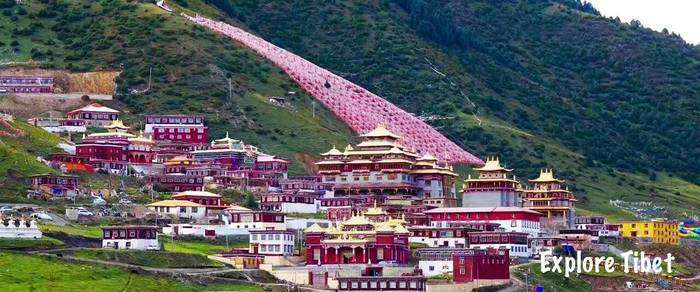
(191, 65)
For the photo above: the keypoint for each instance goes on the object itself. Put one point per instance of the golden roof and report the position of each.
(349, 148)
(492, 164)
(546, 175)
(375, 210)
(177, 160)
(111, 134)
(315, 229)
(174, 203)
(380, 131)
(333, 151)
(401, 229)
(444, 171)
(376, 143)
(357, 220)
(384, 228)
(117, 124)
(142, 138)
(428, 157)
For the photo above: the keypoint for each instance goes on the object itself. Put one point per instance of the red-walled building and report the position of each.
(465, 265)
(510, 218)
(55, 185)
(213, 202)
(177, 183)
(95, 115)
(242, 218)
(357, 241)
(26, 84)
(177, 128)
(372, 278)
(453, 236)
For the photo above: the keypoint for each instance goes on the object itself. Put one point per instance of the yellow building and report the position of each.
(656, 231)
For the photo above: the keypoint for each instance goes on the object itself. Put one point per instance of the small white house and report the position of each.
(179, 209)
(272, 242)
(130, 237)
(19, 228)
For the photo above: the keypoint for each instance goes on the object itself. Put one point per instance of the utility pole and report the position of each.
(313, 108)
(230, 90)
(150, 71)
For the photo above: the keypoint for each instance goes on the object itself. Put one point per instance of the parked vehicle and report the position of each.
(5, 209)
(42, 216)
(85, 212)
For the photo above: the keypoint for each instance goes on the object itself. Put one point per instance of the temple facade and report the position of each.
(94, 115)
(381, 166)
(357, 241)
(493, 187)
(549, 198)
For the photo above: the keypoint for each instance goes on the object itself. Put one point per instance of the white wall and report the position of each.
(438, 267)
(516, 250)
(198, 230)
(530, 227)
(274, 243)
(438, 242)
(175, 211)
(10, 231)
(138, 244)
(300, 207)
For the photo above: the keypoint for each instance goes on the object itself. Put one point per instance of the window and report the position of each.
(431, 268)
(317, 254)
(380, 254)
(194, 209)
(107, 234)
(254, 237)
(183, 209)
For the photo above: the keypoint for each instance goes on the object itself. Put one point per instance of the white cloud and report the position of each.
(679, 16)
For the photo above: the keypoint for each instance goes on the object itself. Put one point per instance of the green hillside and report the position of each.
(18, 159)
(191, 69)
(540, 83)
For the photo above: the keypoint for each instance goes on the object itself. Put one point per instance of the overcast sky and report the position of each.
(679, 16)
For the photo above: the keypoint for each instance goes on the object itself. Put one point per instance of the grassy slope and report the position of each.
(30, 244)
(551, 281)
(191, 68)
(154, 259)
(373, 44)
(18, 159)
(20, 273)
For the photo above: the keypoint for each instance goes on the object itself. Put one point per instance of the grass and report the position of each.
(551, 281)
(319, 215)
(80, 230)
(155, 259)
(34, 273)
(18, 159)
(199, 247)
(30, 244)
